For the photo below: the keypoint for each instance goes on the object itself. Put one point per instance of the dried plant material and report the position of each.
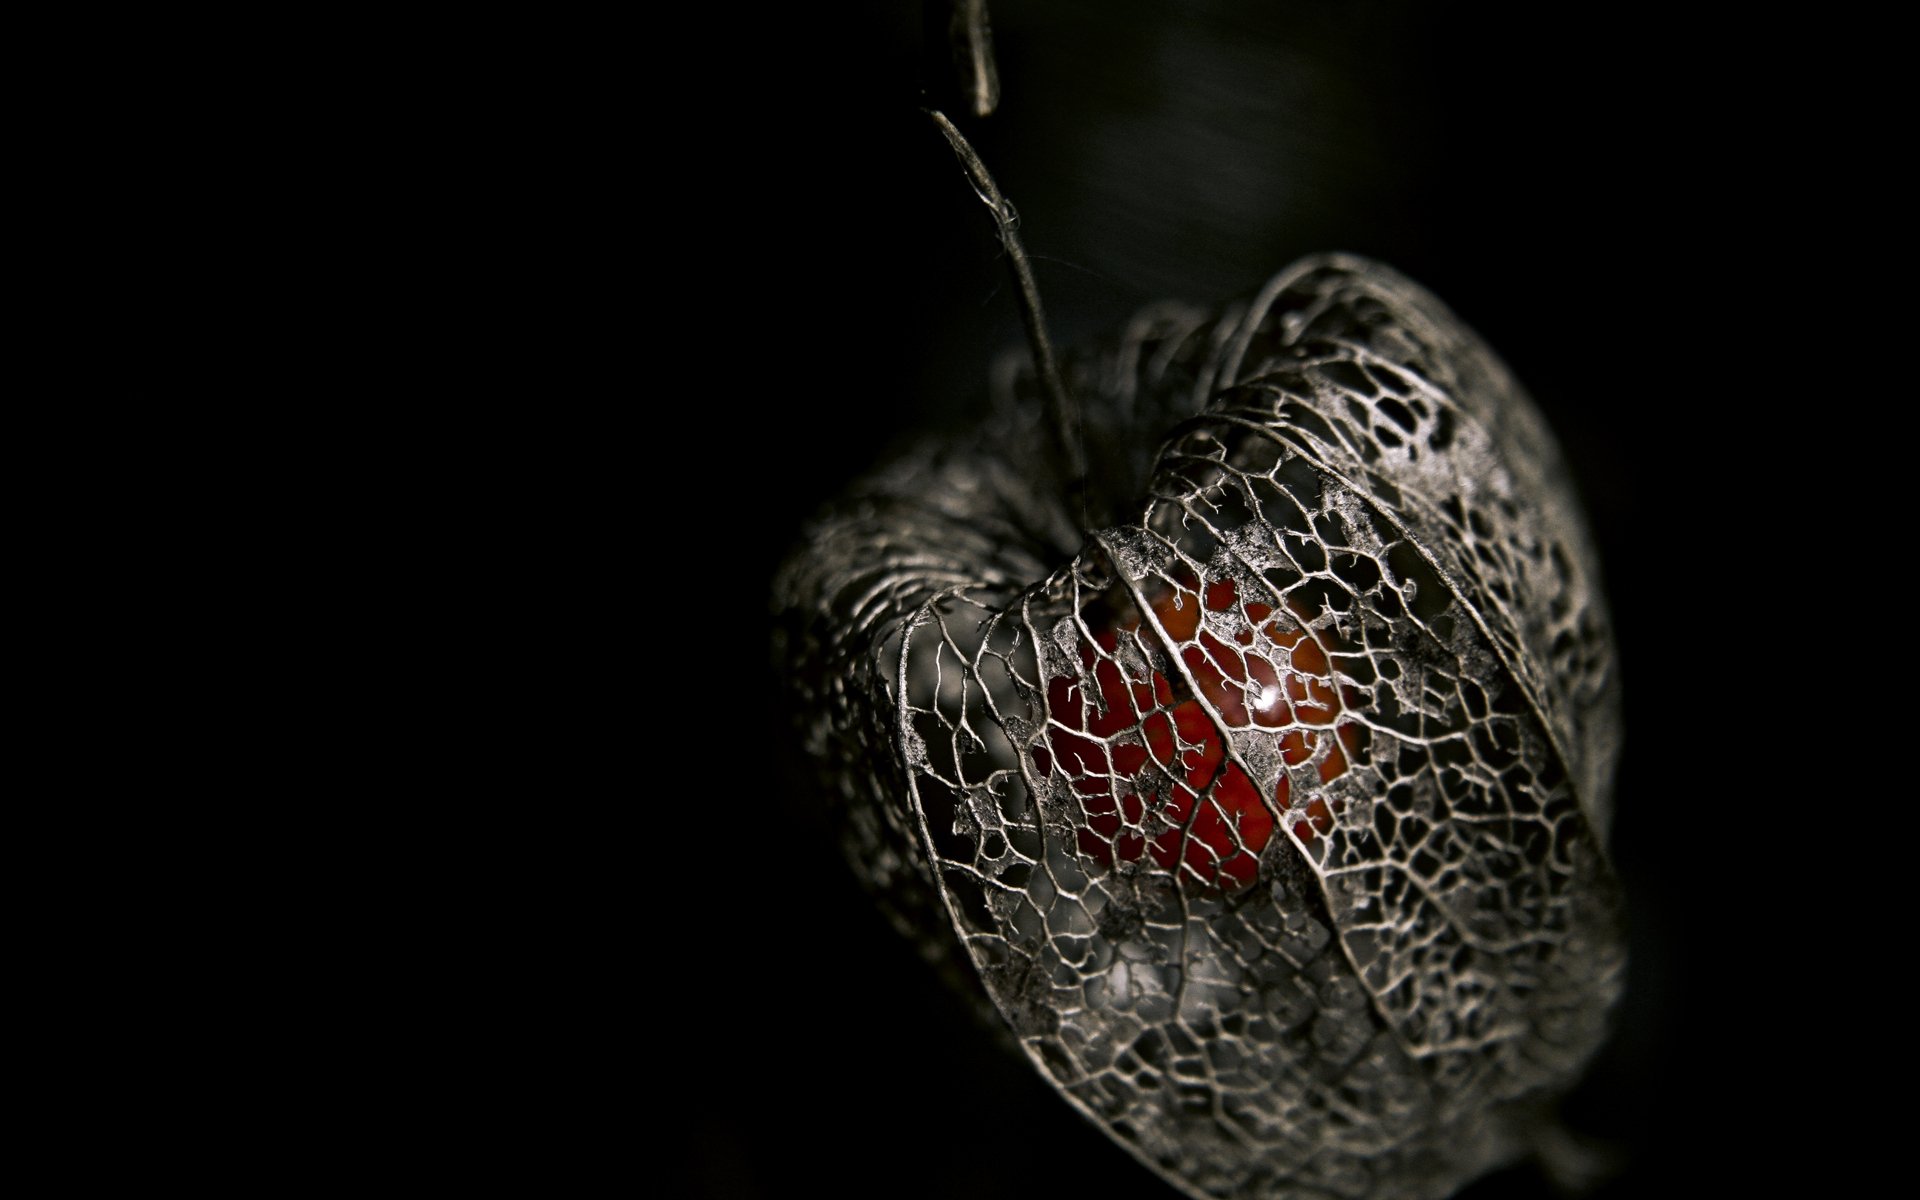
(1269, 811)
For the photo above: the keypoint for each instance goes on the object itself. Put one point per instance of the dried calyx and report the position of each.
(1270, 814)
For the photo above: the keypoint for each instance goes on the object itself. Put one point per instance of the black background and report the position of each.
(508, 356)
(1558, 176)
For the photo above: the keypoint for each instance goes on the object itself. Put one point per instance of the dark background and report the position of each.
(1557, 175)
(500, 359)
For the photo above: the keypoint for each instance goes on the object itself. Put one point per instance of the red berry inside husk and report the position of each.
(1149, 763)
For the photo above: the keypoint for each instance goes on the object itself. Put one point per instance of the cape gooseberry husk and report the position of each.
(1266, 808)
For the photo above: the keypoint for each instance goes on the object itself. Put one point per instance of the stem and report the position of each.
(1062, 412)
(973, 55)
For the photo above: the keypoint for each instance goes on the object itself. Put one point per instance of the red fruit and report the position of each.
(1147, 757)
